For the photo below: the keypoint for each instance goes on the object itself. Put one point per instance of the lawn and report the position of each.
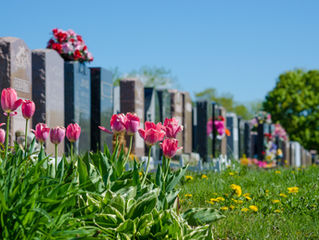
(262, 207)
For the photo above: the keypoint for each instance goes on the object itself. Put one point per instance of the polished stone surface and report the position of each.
(101, 106)
(15, 72)
(132, 100)
(77, 88)
(48, 91)
(232, 140)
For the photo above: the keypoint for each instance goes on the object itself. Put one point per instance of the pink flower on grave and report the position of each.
(67, 48)
(172, 128)
(2, 134)
(9, 102)
(152, 133)
(57, 135)
(41, 132)
(117, 124)
(28, 109)
(132, 123)
(73, 132)
(169, 147)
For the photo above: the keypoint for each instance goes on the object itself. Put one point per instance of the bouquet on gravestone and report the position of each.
(69, 45)
(220, 128)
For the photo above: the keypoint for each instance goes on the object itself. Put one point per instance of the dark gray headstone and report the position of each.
(152, 114)
(232, 140)
(132, 100)
(77, 88)
(187, 122)
(15, 72)
(101, 106)
(247, 141)
(48, 90)
(164, 104)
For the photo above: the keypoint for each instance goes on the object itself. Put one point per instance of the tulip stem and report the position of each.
(147, 166)
(26, 138)
(130, 147)
(56, 159)
(168, 162)
(71, 151)
(7, 136)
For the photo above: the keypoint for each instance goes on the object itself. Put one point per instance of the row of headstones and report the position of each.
(63, 92)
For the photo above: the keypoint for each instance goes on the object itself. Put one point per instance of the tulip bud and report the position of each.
(41, 132)
(2, 136)
(28, 109)
(132, 123)
(169, 147)
(57, 135)
(73, 132)
(172, 127)
(9, 102)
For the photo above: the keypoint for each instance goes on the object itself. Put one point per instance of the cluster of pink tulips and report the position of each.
(152, 133)
(10, 104)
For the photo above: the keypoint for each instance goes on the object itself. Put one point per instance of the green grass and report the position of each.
(299, 212)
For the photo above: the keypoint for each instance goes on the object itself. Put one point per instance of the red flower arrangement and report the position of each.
(69, 45)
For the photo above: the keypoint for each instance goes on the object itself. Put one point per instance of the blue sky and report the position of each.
(238, 47)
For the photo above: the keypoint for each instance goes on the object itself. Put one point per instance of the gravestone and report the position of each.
(15, 72)
(101, 106)
(262, 129)
(132, 100)
(194, 129)
(116, 100)
(247, 140)
(187, 122)
(176, 111)
(152, 114)
(223, 143)
(202, 140)
(241, 132)
(48, 91)
(254, 145)
(232, 140)
(77, 97)
(164, 101)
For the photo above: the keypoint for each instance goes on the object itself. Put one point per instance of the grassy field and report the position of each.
(262, 204)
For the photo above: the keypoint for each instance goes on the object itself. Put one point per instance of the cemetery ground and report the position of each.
(263, 204)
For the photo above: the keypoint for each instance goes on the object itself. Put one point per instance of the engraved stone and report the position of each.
(132, 100)
(232, 140)
(77, 89)
(15, 72)
(48, 91)
(101, 106)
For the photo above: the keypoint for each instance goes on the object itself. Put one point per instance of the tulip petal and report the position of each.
(142, 133)
(105, 130)
(1, 124)
(17, 104)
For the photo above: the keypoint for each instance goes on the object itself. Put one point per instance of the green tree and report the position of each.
(294, 102)
(226, 100)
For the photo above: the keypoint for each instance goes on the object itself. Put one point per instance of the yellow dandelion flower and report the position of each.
(232, 207)
(253, 208)
(267, 191)
(293, 189)
(224, 208)
(283, 195)
(238, 201)
(188, 195)
(277, 172)
(275, 201)
(213, 200)
(244, 209)
(220, 199)
(204, 176)
(246, 194)
(189, 178)
(237, 189)
(277, 211)
(248, 198)
(140, 173)
(231, 173)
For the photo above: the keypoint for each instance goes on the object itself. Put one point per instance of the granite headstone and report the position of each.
(101, 106)
(132, 100)
(232, 140)
(48, 91)
(15, 72)
(187, 122)
(176, 111)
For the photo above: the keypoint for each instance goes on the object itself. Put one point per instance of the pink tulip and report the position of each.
(209, 127)
(73, 132)
(117, 124)
(41, 132)
(57, 135)
(172, 128)
(2, 136)
(9, 102)
(132, 123)
(169, 147)
(153, 133)
(28, 109)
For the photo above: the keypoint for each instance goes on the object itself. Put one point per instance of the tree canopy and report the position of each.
(294, 103)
